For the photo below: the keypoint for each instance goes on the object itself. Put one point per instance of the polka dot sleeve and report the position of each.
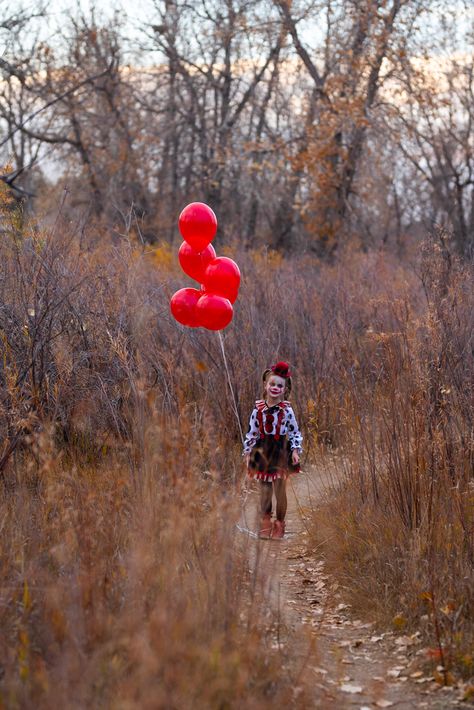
(292, 431)
(252, 434)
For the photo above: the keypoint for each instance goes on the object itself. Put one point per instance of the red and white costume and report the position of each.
(272, 436)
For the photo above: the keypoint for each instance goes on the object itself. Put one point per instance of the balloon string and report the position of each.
(234, 401)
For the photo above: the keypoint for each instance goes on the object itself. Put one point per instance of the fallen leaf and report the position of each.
(404, 641)
(384, 703)
(399, 621)
(323, 671)
(444, 678)
(347, 688)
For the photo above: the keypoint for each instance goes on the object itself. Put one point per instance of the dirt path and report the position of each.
(344, 660)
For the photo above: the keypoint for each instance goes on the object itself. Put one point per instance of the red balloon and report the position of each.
(198, 225)
(183, 306)
(230, 295)
(222, 277)
(214, 312)
(194, 262)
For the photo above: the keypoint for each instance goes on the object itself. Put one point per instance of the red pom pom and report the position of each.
(282, 369)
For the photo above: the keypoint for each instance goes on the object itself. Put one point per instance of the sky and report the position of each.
(139, 10)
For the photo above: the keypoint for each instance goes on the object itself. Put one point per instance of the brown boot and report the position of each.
(266, 526)
(278, 531)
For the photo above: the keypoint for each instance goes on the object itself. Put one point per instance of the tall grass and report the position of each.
(401, 526)
(114, 595)
(120, 455)
(123, 582)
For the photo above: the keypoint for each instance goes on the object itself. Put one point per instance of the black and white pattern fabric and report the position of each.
(288, 428)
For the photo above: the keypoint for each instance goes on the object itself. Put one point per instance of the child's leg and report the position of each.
(279, 485)
(266, 492)
(266, 525)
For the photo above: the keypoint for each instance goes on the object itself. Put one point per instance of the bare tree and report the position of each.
(434, 124)
(15, 101)
(276, 113)
(346, 72)
(74, 100)
(214, 92)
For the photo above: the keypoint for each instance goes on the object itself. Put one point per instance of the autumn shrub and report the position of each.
(121, 451)
(87, 336)
(121, 590)
(401, 524)
(123, 580)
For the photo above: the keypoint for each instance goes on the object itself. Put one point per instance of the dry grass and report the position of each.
(401, 526)
(122, 583)
(121, 591)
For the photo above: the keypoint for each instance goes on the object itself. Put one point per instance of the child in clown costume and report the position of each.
(272, 447)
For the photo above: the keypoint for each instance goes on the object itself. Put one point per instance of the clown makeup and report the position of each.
(274, 389)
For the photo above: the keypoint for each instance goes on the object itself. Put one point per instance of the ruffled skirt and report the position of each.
(270, 459)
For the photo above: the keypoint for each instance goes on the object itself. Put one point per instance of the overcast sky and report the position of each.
(140, 10)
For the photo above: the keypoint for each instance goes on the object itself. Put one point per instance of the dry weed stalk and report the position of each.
(120, 446)
(403, 522)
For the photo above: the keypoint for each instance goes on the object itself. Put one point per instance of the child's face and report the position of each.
(275, 388)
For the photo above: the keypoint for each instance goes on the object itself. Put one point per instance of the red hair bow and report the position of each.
(282, 369)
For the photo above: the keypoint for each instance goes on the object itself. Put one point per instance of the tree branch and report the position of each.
(72, 90)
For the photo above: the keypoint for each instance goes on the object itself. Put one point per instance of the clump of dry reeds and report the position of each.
(124, 592)
(401, 525)
(121, 450)
(123, 582)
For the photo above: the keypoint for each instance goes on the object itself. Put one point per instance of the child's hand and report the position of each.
(295, 457)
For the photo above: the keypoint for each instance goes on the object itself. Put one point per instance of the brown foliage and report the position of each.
(301, 138)
(120, 448)
(123, 581)
(122, 596)
(401, 526)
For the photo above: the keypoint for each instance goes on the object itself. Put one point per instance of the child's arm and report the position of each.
(252, 436)
(294, 436)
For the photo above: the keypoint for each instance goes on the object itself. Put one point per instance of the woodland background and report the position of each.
(305, 125)
(334, 141)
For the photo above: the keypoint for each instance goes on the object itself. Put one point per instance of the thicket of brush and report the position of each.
(123, 582)
(121, 451)
(401, 527)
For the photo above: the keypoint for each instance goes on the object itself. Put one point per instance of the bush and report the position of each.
(401, 525)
